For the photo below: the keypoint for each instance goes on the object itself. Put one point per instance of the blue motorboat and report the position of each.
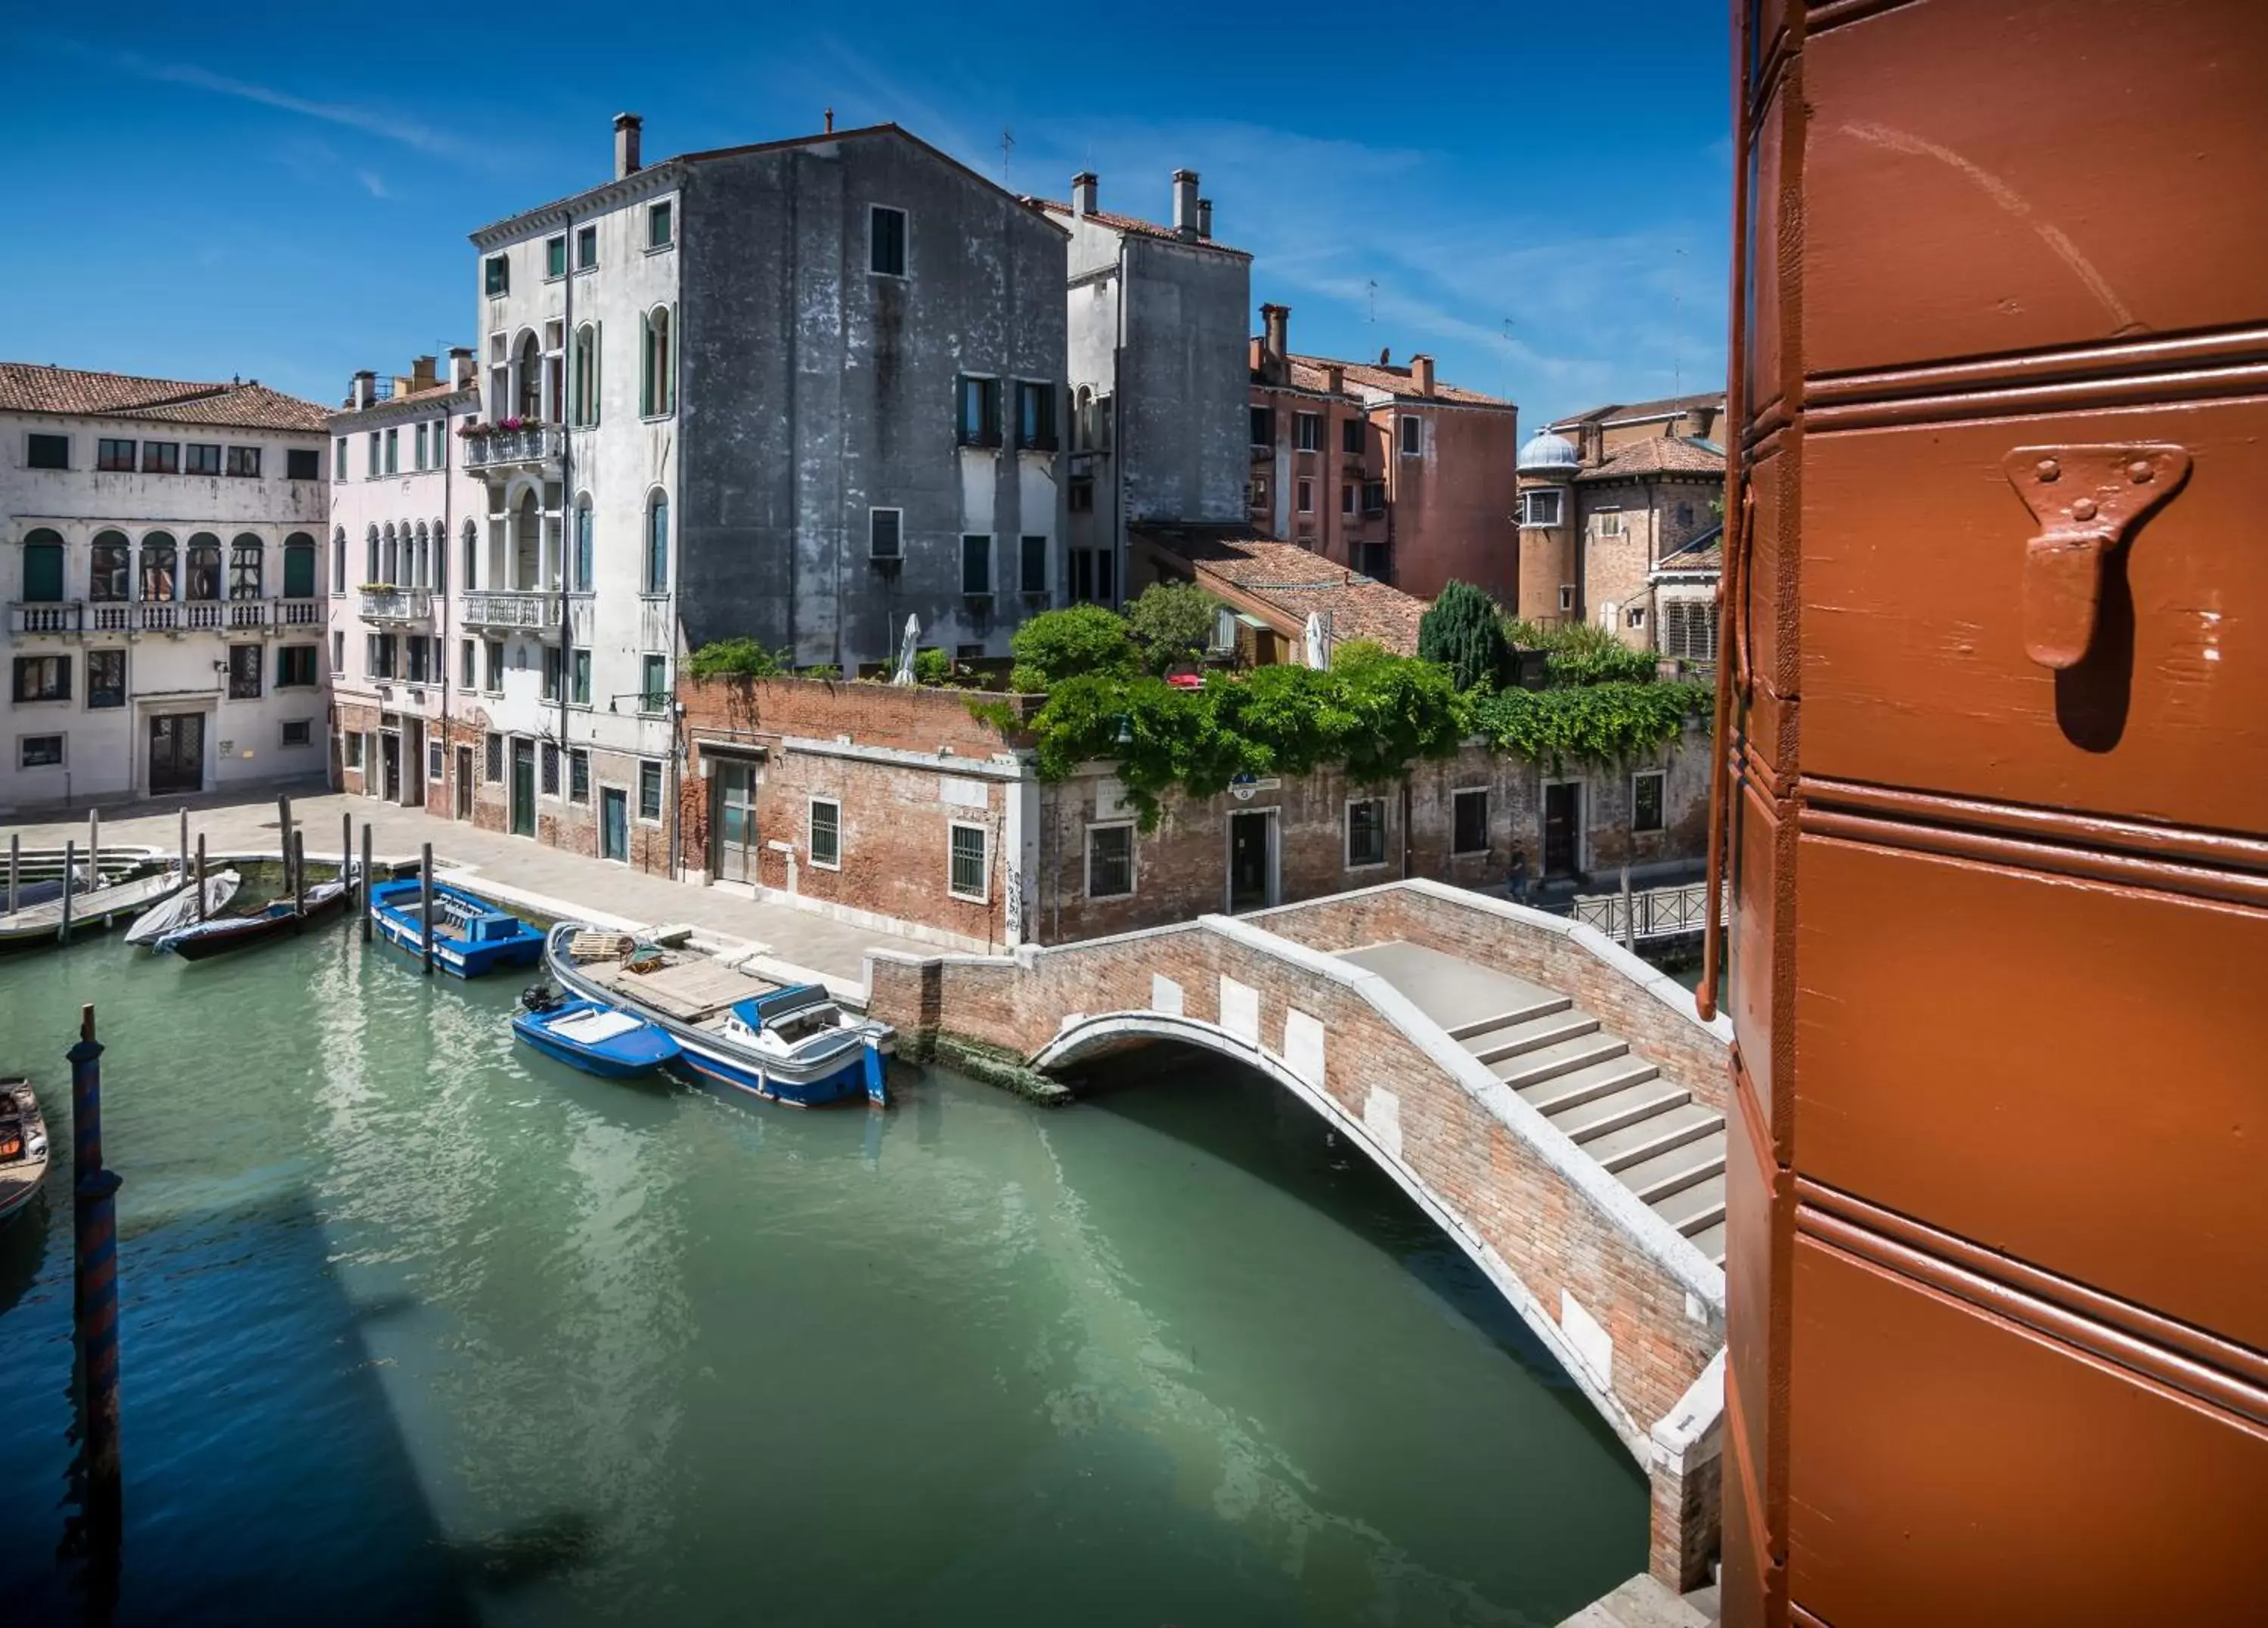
(593, 1036)
(470, 935)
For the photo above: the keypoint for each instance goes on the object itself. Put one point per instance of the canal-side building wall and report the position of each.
(160, 545)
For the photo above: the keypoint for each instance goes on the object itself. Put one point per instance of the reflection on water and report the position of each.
(420, 1327)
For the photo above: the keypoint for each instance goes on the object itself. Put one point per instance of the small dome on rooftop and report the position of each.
(1547, 454)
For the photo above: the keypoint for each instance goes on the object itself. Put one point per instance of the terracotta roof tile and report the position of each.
(1133, 226)
(1699, 554)
(1658, 455)
(1295, 582)
(33, 388)
(1615, 412)
(1309, 373)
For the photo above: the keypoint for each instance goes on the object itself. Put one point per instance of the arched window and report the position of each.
(584, 560)
(657, 543)
(658, 394)
(419, 553)
(439, 579)
(111, 567)
(370, 557)
(244, 565)
(472, 551)
(584, 378)
(43, 567)
(339, 561)
(299, 565)
(203, 576)
(159, 559)
(527, 395)
(389, 560)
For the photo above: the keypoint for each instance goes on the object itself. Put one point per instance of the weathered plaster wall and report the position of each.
(1182, 414)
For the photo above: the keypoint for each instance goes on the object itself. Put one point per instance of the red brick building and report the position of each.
(1383, 468)
(1269, 589)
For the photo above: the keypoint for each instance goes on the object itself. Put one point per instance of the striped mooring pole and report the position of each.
(94, 1191)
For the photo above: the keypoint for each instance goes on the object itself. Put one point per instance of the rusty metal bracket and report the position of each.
(2088, 499)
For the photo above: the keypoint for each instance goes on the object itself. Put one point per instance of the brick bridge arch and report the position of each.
(1347, 1002)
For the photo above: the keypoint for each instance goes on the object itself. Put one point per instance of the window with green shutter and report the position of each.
(43, 568)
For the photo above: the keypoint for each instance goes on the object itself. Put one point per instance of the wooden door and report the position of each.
(464, 803)
(1998, 647)
(613, 823)
(1562, 815)
(738, 849)
(1251, 860)
(523, 787)
(177, 753)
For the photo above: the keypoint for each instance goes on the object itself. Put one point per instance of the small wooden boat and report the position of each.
(591, 1036)
(216, 935)
(470, 935)
(181, 910)
(92, 911)
(23, 1146)
(788, 1043)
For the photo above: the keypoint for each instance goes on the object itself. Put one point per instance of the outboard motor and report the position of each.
(539, 996)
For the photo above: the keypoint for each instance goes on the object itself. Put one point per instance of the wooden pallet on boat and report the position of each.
(687, 990)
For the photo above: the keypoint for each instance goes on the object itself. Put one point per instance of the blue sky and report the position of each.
(285, 193)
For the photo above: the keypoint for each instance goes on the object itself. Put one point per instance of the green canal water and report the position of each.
(419, 1327)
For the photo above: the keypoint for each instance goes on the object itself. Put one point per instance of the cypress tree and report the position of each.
(1462, 633)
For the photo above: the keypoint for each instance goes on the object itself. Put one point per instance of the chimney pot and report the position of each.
(1699, 421)
(421, 376)
(627, 126)
(1082, 194)
(830, 121)
(1276, 324)
(1421, 374)
(365, 387)
(1185, 203)
(460, 366)
(1204, 218)
(1592, 447)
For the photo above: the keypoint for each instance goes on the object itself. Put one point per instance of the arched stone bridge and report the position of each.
(1554, 1104)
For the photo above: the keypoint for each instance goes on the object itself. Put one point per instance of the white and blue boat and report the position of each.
(592, 1036)
(786, 1043)
(470, 935)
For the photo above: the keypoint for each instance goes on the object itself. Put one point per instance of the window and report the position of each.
(579, 774)
(204, 567)
(1645, 801)
(657, 395)
(492, 758)
(578, 678)
(159, 556)
(244, 672)
(1378, 561)
(1109, 862)
(47, 452)
(979, 411)
(496, 275)
(1309, 429)
(885, 241)
(245, 461)
(585, 574)
(338, 652)
(1468, 822)
(472, 552)
(1263, 426)
(299, 565)
(1539, 508)
(203, 460)
(43, 567)
(372, 440)
(377, 655)
(1346, 498)
(653, 688)
(1035, 415)
(1413, 435)
(1373, 497)
(1607, 523)
(1082, 495)
(554, 256)
(1635, 616)
(350, 749)
(583, 396)
(657, 544)
(1566, 598)
(339, 458)
(295, 666)
(1258, 498)
(432, 760)
(393, 451)
(421, 447)
(1093, 577)
(966, 872)
(163, 457)
(39, 752)
(1351, 435)
(1306, 497)
(587, 247)
(419, 648)
(1689, 630)
(884, 533)
(1366, 833)
(551, 665)
(549, 759)
(114, 455)
(244, 567)
(649, 790)
(494, 685)
(106, 678)
(109, 566)
(339, 561)
(826, 834)
(1033, 578)
(976, 565)
(298, 732)
(303, 463)
(658, 226)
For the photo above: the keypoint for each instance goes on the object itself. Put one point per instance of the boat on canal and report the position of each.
(90, 910)
(591, 1036)
(786, 1043)
(23, 1146)
(217, 935)
(184, 908)
(471, 936)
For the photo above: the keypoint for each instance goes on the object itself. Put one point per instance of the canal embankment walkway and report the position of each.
(788, 942)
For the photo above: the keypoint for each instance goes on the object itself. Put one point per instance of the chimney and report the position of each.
(1421, 374)
(1334, 378)
(460, 366)
(421, 376)
(1698, 422)
(830, 121)
(1082, 194)
(1185, 203)
(627, 126)
(1276, 322)
(365, 388)
(1204, 218)
(1592, 443)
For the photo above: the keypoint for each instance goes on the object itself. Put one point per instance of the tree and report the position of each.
(1173, 622)
(1056, 645)
(1460, 631)
(736, 658)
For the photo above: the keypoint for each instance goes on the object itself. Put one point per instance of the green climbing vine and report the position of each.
(1607, 722)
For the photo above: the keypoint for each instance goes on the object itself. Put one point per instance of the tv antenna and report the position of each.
(1007, 146)
(1371, 288)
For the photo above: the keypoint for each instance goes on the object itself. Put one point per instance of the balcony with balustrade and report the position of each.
(397, 607)
(73, 618)
(64, 618)
(508, 610)
(516, 447)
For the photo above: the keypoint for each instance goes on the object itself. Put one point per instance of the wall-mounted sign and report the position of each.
(1244, 785)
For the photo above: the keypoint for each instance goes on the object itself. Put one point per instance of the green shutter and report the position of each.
(43, 573)
(298, 572)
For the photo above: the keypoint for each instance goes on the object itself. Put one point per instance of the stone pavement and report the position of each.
(544, 878)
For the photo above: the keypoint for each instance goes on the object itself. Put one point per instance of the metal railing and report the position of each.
(1646, 913)
(535, 445)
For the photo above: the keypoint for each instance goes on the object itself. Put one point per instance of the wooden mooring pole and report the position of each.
(94, 843)
(283, 836)
(15, 865)
(299, 874)
(425, 904)
(346, 856)
(201, 875)
(70, 863)
(1630, 919)
(365, 882)
(95, 1303)
(185, 842)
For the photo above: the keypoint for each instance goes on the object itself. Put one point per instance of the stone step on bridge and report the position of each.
(1552, 1103)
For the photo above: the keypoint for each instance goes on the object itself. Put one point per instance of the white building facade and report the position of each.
(160, 560)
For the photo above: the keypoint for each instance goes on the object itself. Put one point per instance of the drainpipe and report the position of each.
(566, 504)
(1405, 827)
(441, 557)
(1120, 543)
